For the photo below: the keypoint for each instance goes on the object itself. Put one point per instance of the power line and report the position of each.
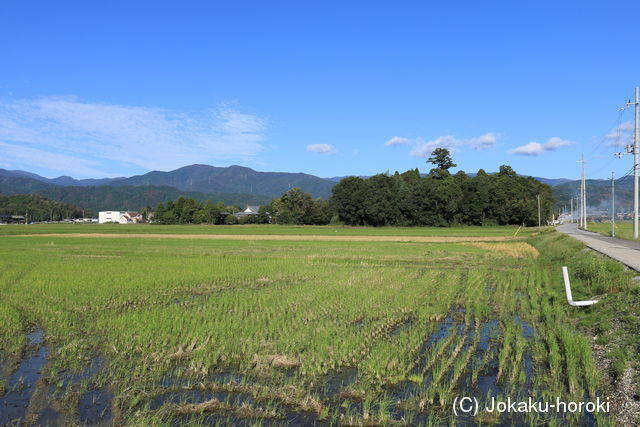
(606, 165)
(616, 125)
(629, 172)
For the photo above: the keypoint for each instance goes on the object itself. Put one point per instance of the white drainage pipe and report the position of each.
(567, 288)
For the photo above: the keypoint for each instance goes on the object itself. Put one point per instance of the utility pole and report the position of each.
(580, 200)
(634, 149)
(571, 209)
(635, 172)
(579, 205)
(613, 208)
(584, 196)
(538, 197)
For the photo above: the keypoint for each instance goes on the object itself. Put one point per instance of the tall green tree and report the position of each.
(443, 161)
(298, 207)
(348, 200)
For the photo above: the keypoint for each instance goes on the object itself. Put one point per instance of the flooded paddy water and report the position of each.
(232, 397)
(30, 398)
(23, 381)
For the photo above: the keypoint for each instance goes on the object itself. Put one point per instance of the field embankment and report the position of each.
(233, 230)
(281, 237)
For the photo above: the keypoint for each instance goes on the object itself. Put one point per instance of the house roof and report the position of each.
(252, 209)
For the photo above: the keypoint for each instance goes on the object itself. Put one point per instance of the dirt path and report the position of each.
(292, 237)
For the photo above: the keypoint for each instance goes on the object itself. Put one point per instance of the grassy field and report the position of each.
(149, 331)
(624, 230)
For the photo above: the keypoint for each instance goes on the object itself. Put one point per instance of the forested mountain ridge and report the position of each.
(104, 197)
(206, 179)
(598, 193)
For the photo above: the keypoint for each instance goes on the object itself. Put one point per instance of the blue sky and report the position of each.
(327, 88)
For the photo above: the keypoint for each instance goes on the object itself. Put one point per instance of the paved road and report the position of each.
(625, 251)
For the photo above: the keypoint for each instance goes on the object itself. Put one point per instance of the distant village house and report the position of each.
(13, 219)
(250, 210)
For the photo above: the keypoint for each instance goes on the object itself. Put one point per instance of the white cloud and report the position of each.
(536, 148)
(397, 140)
(453, 144)
(36, 157)
(73, 134)
(620, 135)
(321, 148)
(530, 149)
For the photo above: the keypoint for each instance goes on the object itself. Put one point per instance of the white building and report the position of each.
(109, 216)
(121, 217)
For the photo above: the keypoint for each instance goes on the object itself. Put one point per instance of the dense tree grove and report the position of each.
(441, 199)
(294, 207)
(298, 207)
(190, 211)
(39, 208)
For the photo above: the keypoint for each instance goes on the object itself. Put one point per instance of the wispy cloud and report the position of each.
(620, 135)
(537, 149)
(67, 134)
(397, 140)
(321, 148)
(53, 161)
(424, 148)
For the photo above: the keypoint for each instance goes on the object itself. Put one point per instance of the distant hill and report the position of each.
(206, 179)
(552, 181)
(598, 193)
(104, 197)
(61, 180)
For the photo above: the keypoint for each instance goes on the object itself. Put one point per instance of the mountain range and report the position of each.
(205, 179)
(233, 185)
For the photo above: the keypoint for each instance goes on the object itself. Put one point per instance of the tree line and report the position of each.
(294, 207)
(190, 211)
(401, 199)
(38, 208)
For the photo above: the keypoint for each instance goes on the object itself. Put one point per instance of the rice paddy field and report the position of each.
(624, 230)
(139, 330)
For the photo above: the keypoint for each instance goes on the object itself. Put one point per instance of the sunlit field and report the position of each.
(624, 230)
(466, 231)
(150, 331)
